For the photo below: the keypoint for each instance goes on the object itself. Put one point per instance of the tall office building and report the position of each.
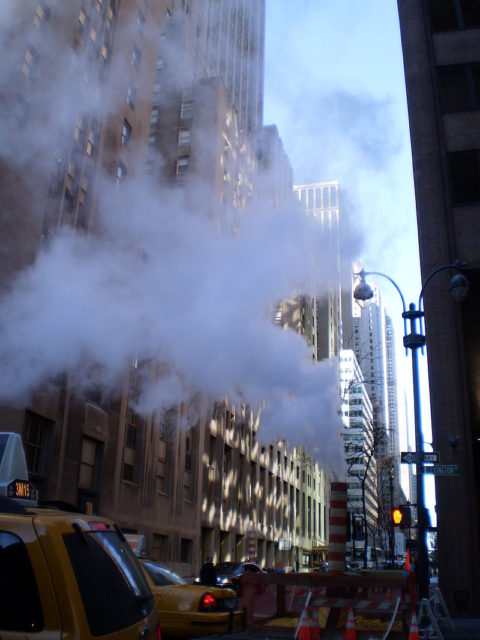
(274, 171)
(228, 42)
(359, 446)
(370, 346)
(320, 316)
(441, 50)
(373, 344)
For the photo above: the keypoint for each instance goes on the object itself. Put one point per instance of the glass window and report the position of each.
(464, 168)
(35, 440)
(42, 13)
(121, 172)
(182, 165)
(162, 576)
(131, 96)
(114, 590)
(443, 15)
(20, 601)
(454, 89)
(161, 483)
(186, 110)
(126, 132)
(30, 60)
(186, 550)
(89, 464)
(184, 136)
(475, 69)
(136, 57)
(140, 23)
(470, 13)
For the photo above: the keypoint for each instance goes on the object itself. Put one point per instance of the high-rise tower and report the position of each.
(321, 316)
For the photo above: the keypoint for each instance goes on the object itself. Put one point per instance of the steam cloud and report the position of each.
(159, 283)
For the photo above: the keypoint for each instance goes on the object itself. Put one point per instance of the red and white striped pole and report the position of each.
(337, 542)
(252, 545)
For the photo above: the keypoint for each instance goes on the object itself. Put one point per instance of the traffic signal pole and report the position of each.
(459, 287)
(414, 341)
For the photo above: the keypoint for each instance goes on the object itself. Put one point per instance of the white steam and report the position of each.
(159, 283)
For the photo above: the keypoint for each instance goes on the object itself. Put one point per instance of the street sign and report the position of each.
(410, 457)
(443, 470)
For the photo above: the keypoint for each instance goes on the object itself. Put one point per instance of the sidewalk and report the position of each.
(465, 629)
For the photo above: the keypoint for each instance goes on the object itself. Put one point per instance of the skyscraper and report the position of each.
(321, 316)
(359, 445)
(441, 52)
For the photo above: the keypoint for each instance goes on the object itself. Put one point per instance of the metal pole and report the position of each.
(392, 528)
(415, 341)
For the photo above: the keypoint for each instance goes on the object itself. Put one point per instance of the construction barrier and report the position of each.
(279, 600)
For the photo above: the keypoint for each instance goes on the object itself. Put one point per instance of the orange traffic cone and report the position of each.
(350, 633)
(413, 635)
(315, 628)
(304, 631)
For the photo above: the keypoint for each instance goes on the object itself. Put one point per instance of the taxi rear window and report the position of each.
(20, 605)
(114, 590)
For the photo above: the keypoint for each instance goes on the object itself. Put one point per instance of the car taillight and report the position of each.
(97, 526)
(208, 602)
(159, 633)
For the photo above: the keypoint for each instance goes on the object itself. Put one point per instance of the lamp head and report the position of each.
(459, 286)
(363, 291)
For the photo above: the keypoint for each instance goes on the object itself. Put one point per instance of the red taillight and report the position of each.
(208, 602)
(97, 526)
(159, 633)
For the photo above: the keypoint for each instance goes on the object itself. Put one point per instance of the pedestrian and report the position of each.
(208, 574)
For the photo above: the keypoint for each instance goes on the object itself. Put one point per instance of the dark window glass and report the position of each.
(20, 605)
(36, 432)
(464, 168)
(476, 83)
(454, 89)
(443, 15)
(470, 12)
(114, 590)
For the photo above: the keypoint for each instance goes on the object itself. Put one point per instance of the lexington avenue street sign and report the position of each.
(443, 470)
(410, 457)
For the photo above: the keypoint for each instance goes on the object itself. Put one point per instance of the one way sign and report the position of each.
(410, 457)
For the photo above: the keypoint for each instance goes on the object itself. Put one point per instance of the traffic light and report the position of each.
(406, 516)
(397, 516)
(401, 516)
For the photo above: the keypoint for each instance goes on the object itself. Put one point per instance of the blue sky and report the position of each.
(334, 86)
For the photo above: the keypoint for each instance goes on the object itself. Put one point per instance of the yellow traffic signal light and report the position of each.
(401, 516)
(397, 516)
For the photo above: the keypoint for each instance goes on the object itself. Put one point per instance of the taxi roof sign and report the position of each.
(14, 480)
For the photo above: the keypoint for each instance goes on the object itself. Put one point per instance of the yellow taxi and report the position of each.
(188, 610)
(65, 575)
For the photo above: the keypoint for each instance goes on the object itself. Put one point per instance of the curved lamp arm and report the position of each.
(455, 265)
(364, 273)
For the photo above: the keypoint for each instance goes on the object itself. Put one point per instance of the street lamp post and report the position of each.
(415, 340)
